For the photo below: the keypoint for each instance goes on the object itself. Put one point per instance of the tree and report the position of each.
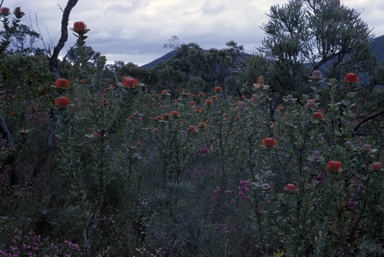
(23, 39)
(308, 35)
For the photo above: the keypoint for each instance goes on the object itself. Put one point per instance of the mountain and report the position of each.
(377, 47)
(155, 62)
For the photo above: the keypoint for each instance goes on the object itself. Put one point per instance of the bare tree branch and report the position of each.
(63, 38)
(370, 117)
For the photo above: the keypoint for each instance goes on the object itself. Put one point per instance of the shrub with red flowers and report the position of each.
(172, 167)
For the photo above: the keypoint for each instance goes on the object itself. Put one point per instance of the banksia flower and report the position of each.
(175, 113)
(5, 11)
(318, 115)
(202, 125)
(62, 102)
(62, 83)
(218, 89)
(377, 166)
(334, 165)
(290, 187)
(269, 142)
(18, 13)
(351, 78)
(208, 102)
(80, 27)
(129, 82)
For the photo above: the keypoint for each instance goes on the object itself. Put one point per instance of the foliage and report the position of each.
(172, 166)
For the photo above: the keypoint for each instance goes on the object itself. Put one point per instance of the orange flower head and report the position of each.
(218, 89)
(175, 114)
(334, 165)
(318, 115)
(208, 102)
(164, 92)
(18, 13)
(62, 83)
(80, 27)
(97, 134)
(291, 187)
(158, 117)
(351, 78)
(201, 94)
(269, 142)
(5, 11)
(165, 116)
(280, 108)
(214, 97)
(62, 102)
(191, 128)
(129, 82)
(377, 166)
(195, 131)
(202, 125)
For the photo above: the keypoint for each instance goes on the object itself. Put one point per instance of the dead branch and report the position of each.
(370, 117)
(63, 38)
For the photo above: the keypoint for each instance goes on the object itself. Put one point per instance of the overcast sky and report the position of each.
(136, 30)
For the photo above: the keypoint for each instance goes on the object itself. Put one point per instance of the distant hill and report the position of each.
(378, 48)
(377, 45)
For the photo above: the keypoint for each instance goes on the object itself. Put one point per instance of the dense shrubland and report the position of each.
(204, 155)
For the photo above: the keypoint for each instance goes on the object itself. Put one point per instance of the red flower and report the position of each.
(191, 128)
(351, 78)
(4, 11)
(97, 134)
(208, 102)
(376, 165)
(280, 108)
(164, 92)
(129, 82)
(62, 83)
(18, 13)
(291, 187)
(158, 117)
(311, 103)
(201, 94)
(218, 89)
(269, 142)
(202, 125)
(214, 97)
(62, 102)
(175, 113)
(165, 116)
(80, 27)
(318, 115)
(334, 165)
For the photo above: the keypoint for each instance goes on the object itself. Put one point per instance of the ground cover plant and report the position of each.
(96, 162)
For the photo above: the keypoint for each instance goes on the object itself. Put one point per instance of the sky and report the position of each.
(136, 30)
